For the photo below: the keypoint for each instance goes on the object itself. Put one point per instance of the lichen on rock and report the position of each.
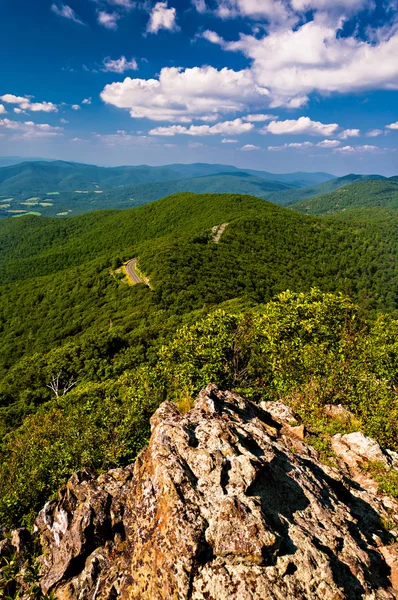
(222, 504)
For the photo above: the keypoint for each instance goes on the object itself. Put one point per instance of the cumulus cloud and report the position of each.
(329, 144)
(314, 57)
(249, 148)
(213, 37)
(374, 133)
(294, 145)
(119, 65)
(162, 17)
(63, 10)
(235, 127)
(2, 109)
(301, 126)
(29, 130)
(392, 125)
(229, 141)
(181, 95)
(11, 99)
(280, 11)
(358, 149)
(64, 121)
(76, 107)
(26, 104)
(259, 118)
(87, 101)
(108, 20)
(347, 133)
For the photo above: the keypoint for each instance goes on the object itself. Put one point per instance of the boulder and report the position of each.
(337, 411)
(219, 506)
(355, 449)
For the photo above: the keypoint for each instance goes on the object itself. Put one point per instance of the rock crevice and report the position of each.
(226, 502)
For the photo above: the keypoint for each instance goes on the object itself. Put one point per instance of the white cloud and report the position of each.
(392, 125)
(196, 145)
(347, 133)
(280, 11)
(2, 109)
(294, 145)
(120, 65)
(273, 10)
(64, 121)
(122, 138)
(301, 126)
(358, 149)
(249, 148)
(180, 95)
(29, 130)
(76, 107)
(329, 144)
(126, 4)
(300, 145)
(26, 104)
(259, 118)
(162, 17)
(66, 11)
(11, 99)
(235, 127)
(19, 111)
(313, 57)
(87, 101)
(41, 106)
(108, 20)
(229, 141)
(374, 133)
(213, 37)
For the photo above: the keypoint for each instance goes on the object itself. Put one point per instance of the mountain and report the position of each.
(289, 197)
(360, 195)
(6, 161)
(86, 358)
(60, 188)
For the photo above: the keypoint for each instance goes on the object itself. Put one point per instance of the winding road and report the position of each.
(131, 274)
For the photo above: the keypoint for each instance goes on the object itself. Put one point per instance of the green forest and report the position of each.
(286, 306)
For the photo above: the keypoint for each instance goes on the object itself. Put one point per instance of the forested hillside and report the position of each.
(294, 196)
(360, 195)
(69, 321)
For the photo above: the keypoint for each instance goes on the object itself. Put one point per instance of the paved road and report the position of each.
(131, 273)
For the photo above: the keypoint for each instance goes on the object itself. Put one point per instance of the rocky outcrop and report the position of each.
(224, 503)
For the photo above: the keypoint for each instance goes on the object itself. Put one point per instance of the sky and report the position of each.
(277, 85)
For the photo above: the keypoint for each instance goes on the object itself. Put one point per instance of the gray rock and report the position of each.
(221, 505)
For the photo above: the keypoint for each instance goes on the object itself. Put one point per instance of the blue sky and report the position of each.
(279, 85)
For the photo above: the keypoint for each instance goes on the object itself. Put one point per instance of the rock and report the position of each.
(6, 548)
(355, 449)
(280, 412)
(217, 507)
(21, 540)
(390, 554)
(337, 411)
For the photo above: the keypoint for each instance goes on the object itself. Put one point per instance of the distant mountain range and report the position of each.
(59, 188)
